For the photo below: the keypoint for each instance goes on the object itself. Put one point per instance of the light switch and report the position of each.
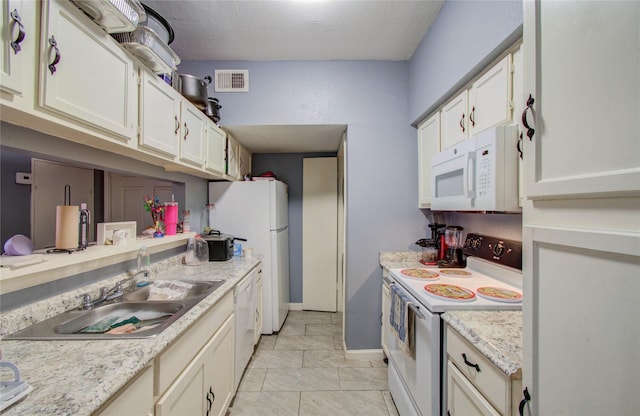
(24, 178)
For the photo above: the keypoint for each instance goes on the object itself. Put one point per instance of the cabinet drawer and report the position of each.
(490, 381)
(175, 359)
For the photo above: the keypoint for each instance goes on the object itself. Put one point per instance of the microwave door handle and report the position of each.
(469, 175)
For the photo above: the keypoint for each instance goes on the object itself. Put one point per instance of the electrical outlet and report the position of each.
(24, 178)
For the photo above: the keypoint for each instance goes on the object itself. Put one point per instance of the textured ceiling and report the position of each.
(296, 30)
(302, 30)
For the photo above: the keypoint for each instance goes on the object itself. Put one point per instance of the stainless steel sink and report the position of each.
(151, 316)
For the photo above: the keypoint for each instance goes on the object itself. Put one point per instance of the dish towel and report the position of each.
(401, 320)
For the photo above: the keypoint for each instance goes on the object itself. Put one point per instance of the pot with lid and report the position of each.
(213, 109)
(195, 90)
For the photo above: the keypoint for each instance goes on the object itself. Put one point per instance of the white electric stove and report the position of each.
(491, 280)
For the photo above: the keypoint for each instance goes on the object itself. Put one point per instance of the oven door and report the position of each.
(419, 377)
(453, 178)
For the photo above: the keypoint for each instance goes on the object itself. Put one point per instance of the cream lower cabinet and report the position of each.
(84, 74)
(206, 386)
(428, 146)
(384, 317)
(475, 386)
(259, 287)
(134, 399)
(195, 374)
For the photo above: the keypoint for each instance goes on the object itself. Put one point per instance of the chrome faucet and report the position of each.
(105, 295)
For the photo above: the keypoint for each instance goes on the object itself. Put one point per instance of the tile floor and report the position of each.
(302, 372)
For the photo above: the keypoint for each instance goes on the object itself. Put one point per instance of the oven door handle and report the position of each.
(416, 310)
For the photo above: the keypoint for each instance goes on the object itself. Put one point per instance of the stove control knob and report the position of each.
(498, 250)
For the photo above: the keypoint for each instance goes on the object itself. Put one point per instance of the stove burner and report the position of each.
(64, 250)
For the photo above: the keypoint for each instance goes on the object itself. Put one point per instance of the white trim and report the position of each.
(295, 306)
(376, 354)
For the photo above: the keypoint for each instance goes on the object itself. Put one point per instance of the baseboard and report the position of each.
(362, 354)
(295, 306)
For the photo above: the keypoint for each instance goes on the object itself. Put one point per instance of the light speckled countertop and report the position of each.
(77, 377)
(496, 334)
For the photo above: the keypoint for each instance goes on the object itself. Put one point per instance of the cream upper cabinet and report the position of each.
(454, 120)
(581, 234)
(18, 47)
(490, 98)
(192, 134)
(486, 103)
(244, 162)
(215, 145)
(428, 145)
(84, 74)
(159, 133)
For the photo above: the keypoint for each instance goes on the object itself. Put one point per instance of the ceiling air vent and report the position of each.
(231, 80)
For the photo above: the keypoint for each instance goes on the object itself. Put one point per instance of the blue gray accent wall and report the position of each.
(288, 168)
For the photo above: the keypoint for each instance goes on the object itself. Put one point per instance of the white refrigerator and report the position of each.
(258, 211)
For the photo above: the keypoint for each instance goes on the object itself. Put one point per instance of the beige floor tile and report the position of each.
(323, 329)
(252, 379)
(336, 318)
(391, 406)
(337, 342)
(308, 342)
(342, 403)
(330, 359)
(267, 342)
(309, 317)
(378, 363)
(265, 404)
(363, 378)
(292, 328)
(301, 379)
(276, 359)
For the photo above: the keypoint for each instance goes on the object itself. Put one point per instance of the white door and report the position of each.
(319, 234)
(126, 198)
(48, 191)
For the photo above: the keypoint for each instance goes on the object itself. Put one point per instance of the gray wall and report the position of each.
(460, 42)
(16, 199)
(371, 99)
(288, 168)
(378, 101)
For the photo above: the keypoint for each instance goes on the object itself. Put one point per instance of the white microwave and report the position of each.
(479, 174)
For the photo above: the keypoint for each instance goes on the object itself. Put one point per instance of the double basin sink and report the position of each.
(139, 313)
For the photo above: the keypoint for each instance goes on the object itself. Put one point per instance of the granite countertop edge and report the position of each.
(496, 334)
(81, 376)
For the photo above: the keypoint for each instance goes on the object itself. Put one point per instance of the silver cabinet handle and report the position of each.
(15, 45)
(56, 59)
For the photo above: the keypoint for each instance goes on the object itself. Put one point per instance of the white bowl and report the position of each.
(18, 245)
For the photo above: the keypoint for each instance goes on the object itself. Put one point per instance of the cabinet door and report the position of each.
(490, 98)
(258, 323)
(216, 140)
(428, 145)
(585, 87)
(17, 47)
(192, 133)
(135, 399)
(454, 121)
(84, 74)
(232, 157)
(386, 301)
(156, 97)
(219, 389)
(244, 161)
(462, 398)
(188, 394)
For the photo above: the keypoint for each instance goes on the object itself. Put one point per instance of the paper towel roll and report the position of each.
(67, 226)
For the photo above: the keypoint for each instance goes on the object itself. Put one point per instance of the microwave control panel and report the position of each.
(484, 173)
